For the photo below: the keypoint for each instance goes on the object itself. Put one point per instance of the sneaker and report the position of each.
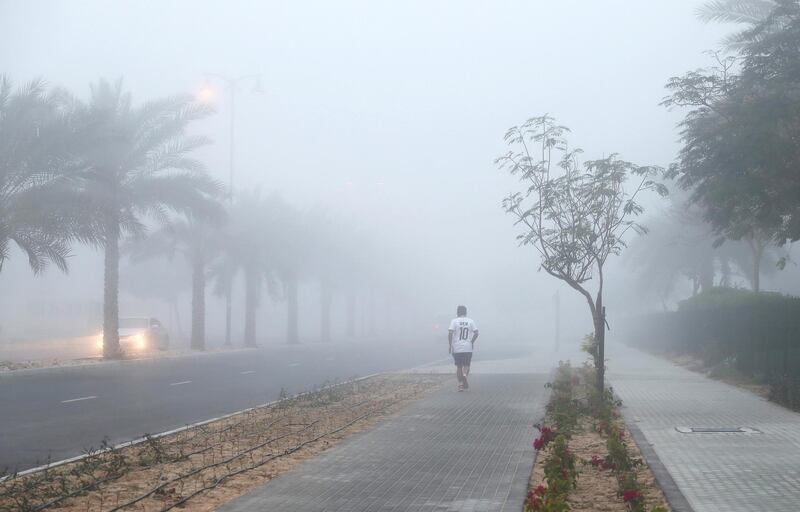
(460, 387)
(466, 384)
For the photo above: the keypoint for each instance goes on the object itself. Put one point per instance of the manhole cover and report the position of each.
(717, 430)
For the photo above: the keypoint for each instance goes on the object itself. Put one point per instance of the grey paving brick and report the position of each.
(715, 472)
(447, 452)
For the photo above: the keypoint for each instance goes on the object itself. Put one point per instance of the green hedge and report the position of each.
(758, 333)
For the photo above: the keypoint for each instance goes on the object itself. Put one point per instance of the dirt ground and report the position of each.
(728, 377)
(217, 461)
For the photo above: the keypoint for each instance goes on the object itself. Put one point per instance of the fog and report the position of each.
(384, 115)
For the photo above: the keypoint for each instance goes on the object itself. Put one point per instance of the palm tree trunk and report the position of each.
(111, 348)
(291, 335)
(198, 301)
(325, 303)
(250, 303)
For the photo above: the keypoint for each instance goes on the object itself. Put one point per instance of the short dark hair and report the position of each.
(461, 311)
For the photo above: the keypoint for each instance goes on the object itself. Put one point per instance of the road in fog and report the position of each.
(59, 412)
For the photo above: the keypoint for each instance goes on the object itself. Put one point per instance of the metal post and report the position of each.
(229, 291)
(233, 84)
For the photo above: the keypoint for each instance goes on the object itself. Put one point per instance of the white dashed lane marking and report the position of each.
(246, 372)
(181, 383)
(294, 364)
(79, 399)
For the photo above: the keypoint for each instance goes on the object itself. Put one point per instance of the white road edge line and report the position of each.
(79, 399)
(247, 372)
(180, 429)
(294, 364)
(181, 383)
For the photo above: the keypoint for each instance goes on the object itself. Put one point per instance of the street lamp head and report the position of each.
(206, 94)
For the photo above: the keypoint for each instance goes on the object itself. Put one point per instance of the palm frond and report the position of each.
(749, 12)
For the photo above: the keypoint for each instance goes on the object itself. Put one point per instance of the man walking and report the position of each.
(461, 337)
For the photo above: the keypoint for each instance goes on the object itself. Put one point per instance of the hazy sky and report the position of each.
(390, 111)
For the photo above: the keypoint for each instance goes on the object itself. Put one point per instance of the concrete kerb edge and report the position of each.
(675, 498)
(183, 428)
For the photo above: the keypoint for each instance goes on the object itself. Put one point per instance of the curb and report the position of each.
(675, 498)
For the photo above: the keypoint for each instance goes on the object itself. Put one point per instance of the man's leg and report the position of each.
(460, 376)
(465, 368)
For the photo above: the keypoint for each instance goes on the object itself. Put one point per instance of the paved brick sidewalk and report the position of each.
(449, 451)
(716, 472)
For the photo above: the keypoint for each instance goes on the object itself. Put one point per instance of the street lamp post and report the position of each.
(207, 94)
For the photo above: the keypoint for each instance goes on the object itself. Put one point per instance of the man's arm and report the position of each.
(474, 336)
(450, 341)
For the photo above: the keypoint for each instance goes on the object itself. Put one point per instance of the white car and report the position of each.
(141, 334)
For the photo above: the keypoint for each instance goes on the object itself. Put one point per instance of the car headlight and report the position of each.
(141, 341)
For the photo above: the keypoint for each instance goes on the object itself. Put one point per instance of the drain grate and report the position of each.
(717, 430)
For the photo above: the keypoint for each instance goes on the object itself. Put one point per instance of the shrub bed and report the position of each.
(586, 459)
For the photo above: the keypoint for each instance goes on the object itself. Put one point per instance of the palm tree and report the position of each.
(41, 209)
(137, 165)
(198, 242)
(750, 13)
(252, 243)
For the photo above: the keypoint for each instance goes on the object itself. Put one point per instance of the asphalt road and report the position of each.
(58, 413)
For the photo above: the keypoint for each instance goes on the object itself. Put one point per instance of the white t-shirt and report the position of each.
(462, 329)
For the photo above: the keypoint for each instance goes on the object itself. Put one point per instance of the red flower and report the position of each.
(621, 435)
(538, 443)
(631, 495)
(540, 490)
(565, 474)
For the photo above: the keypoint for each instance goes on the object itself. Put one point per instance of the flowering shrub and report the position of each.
(561, 476)
(630, 495)
(563, 407)
(599, 463)
(546, 435)
(559, 469)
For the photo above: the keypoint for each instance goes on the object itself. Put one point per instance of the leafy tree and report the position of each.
(680, 246)
(137, 164)
(41, 207)
(740, 151)
(575, 215)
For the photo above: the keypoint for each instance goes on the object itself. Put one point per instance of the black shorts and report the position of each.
(462, 358)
